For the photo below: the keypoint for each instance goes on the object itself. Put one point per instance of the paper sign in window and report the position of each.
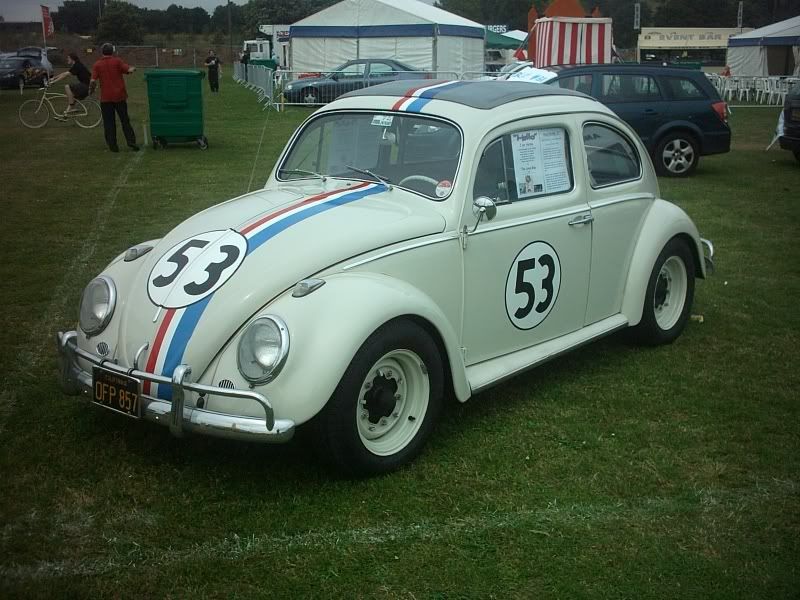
(540, 162)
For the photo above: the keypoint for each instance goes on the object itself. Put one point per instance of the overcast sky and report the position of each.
(28, 10)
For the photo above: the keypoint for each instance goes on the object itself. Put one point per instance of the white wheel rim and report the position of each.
(678, 156)
(669, 296)
(392, 402)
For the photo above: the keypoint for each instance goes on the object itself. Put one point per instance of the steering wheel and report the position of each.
(422, 178)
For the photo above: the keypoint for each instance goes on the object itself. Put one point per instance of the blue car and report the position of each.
(677, 113)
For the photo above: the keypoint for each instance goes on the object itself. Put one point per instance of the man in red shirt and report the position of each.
(113, 96)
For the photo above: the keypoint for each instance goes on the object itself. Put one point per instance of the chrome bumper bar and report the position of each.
(708, 258)
(175, 414)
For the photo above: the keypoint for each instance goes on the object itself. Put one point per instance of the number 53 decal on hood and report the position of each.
(195, 268)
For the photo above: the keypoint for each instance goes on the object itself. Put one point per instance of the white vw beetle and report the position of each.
(410, 243)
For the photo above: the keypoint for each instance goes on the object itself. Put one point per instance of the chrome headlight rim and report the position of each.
(283, 353)
(112, 304)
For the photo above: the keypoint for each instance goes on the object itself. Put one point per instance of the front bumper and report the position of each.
(175, 414)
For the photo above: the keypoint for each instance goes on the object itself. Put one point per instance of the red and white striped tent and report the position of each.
(571, 41)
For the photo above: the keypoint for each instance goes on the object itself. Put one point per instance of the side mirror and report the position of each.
(483, 207)
(334, 76)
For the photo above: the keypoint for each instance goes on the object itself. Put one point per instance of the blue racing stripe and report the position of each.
(273, 230)
(191, 316)
(429, 95)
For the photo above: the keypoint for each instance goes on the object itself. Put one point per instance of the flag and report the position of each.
(47, 22)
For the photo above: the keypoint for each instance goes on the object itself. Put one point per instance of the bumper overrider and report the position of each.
(175, 414)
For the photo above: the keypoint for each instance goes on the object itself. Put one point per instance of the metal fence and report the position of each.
(285, 87)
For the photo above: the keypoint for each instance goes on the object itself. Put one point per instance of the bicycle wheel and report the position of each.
(89, 114)
(33, 114)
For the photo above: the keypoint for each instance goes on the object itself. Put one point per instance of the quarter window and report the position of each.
(629, 88)
(524, 164)
(611, 157)
(683, 89)
(579, 83)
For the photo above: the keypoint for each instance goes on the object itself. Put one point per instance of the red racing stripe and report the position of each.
(153, 357)
(411, 91)
(271, 216)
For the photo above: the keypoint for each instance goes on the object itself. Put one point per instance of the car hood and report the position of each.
(256, 246)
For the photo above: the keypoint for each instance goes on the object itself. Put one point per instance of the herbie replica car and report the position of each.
(410, 242)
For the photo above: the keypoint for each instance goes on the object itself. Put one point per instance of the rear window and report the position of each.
(629, 88)
(681, 88)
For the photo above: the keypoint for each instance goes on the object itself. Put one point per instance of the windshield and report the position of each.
(412, 152)
(10, 63)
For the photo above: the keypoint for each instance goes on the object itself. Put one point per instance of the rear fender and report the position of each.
(664, 221)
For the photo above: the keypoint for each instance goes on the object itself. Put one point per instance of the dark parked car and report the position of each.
(677, 112)
(18, 71)
(352, 75)
(790, 140)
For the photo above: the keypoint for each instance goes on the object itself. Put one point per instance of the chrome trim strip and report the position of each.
(363, 261)
(76, 381)
(620, 199)
(528, 221)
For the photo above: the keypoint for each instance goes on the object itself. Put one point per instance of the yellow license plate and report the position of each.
(117, 392)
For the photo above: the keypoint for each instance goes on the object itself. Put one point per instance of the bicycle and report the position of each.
(36, 113)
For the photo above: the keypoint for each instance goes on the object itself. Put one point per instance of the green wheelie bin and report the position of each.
(176, 106)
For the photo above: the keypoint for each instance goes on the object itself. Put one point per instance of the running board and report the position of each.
(496, 370)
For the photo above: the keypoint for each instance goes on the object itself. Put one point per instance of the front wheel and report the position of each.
(89, 114)
(669, 296)
(387, 403)
(677, 155)
(34, 114)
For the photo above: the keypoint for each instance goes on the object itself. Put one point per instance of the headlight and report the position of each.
(289, 87)
(97, 305)
(263, 349)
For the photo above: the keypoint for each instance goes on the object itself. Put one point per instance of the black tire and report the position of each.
(677, 154)
(662, 320)
(202, 142)
(400, 404)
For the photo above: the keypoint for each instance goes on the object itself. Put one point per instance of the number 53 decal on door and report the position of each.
(532, 285)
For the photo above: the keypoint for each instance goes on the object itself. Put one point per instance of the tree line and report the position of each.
(127, 24)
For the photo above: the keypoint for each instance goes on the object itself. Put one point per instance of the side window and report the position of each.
(629, 88)
(377, 69)
(525, 164)
(578, 83)
(681, 88)
(611, 156)
(354, 70)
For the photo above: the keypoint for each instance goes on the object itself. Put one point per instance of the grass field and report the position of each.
(613, 472)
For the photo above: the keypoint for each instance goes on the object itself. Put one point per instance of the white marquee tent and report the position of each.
(770, 50)
(413, 32)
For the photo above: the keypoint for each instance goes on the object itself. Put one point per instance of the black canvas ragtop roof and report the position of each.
(476, 94)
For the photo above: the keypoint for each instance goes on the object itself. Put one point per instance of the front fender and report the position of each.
(327, 328)
(663, 222)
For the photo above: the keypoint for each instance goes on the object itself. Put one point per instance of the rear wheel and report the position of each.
(387, 403)
(677, 155)
(89, 114)
(34, 114)
(669, 296)
(309, 96)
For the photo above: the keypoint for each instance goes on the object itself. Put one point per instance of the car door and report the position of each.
(619, 204)
(526, 272)
(637, 99)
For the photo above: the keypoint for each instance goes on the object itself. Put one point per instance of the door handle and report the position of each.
(581, 220)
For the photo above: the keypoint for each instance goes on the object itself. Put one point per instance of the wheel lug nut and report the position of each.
(364, 415)
(389, 373)
(372, 428)
(383, 421)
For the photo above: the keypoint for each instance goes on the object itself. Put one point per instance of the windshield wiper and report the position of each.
(383, 180)
(303, 172)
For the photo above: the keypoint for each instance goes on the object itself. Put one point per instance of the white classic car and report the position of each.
(411, 242)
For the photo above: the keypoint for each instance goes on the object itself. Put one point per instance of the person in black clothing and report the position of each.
(214, 70)
(245, 60)
(79, 89)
